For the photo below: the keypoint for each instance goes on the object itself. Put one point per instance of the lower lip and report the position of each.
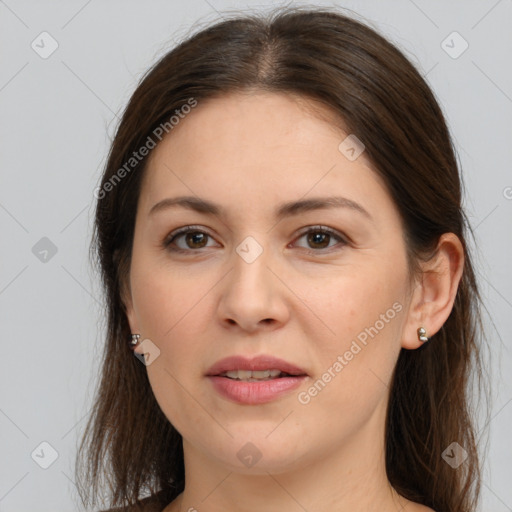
(253, 393)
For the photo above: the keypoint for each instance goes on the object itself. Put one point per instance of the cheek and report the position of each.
(364, 315)
(164, 299)
(168, 309)
(353, 304)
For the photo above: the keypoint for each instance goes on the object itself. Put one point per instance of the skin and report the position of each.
(249, 153)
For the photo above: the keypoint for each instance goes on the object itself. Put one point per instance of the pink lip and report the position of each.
(253, 393)
(262, 362)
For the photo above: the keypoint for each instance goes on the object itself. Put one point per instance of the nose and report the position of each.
(253, 296)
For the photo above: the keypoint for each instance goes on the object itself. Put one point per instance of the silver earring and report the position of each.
(135, 340)
(422, 335)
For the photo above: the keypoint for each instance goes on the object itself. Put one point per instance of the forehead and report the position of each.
(256, 145)
(248, 118)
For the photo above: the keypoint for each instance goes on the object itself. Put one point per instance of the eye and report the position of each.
(193, 238)
(319, 238)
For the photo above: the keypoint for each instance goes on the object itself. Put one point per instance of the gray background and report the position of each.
(57, 115)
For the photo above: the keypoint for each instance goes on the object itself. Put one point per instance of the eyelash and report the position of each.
(196, 229)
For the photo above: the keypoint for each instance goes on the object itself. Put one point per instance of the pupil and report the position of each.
(195, 238)
(318, 238)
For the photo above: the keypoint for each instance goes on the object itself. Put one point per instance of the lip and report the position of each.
(261, 362)
(254, 393)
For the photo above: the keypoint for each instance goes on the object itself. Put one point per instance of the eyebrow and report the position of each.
(284, 210)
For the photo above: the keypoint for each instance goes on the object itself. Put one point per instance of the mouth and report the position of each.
(255, 381)
(255, 376)
(263, 367)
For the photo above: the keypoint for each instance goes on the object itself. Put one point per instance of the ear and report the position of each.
(132, 319)
(126, 297)
(435, 291)
(130, 313)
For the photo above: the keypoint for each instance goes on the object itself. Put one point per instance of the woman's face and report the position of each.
(323, 289)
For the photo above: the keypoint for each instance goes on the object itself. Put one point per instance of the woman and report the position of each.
(282, 244)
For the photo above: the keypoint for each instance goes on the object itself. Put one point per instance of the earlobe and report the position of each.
(126, 299)
(434, 294)
(130, 315)
(127, 302)
(134, 342)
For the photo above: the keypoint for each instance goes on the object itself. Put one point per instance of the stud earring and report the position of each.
(422, 335)
(134, 340)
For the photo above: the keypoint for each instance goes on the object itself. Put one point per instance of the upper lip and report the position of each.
(261, 362)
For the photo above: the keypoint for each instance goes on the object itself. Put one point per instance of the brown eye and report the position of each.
(320, 238)
(195, 240)
(189, 239)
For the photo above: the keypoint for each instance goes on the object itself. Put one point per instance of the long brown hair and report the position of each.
(319, 53)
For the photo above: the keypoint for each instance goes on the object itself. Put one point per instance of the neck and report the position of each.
(350, 477)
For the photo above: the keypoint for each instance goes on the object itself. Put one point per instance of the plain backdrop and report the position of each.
(67, 70)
